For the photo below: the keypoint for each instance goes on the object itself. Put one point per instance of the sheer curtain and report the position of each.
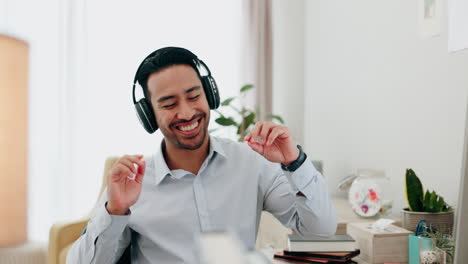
(99, 46)
(258, 52)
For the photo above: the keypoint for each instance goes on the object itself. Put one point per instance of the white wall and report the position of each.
(288, 64)
(3, 16)
(379, 96)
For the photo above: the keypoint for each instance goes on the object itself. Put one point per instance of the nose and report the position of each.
(186, 112)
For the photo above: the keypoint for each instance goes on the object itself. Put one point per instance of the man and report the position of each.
(195, 182)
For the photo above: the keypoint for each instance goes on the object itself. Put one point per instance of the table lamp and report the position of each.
(13, 141)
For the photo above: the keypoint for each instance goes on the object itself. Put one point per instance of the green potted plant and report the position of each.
(425, 206)
(243, 119)
(444, 242)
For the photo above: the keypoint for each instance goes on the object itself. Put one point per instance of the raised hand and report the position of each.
(124, 183)
(274, 142)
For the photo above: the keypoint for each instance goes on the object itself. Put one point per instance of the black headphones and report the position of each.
(144, 108)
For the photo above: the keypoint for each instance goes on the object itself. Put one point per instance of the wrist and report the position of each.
(115, 211)
(296, 156)
(294, 165)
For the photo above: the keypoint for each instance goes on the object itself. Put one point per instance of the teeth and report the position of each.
(188, 128)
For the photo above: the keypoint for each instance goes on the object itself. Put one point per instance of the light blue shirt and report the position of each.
(233, 186)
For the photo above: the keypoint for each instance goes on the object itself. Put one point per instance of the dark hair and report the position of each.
(161, 59)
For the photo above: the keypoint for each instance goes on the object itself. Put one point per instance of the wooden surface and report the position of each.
(13, 140)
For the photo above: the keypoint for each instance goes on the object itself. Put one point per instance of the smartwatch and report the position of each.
(297, 163)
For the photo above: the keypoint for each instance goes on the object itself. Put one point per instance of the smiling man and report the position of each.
(156, 207)
(182, 115)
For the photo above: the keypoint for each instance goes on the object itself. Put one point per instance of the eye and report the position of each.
(194, 97)
(168, 106)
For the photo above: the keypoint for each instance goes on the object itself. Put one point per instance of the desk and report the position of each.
(345, 215)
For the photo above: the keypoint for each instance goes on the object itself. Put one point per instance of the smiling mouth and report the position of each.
(188, 127)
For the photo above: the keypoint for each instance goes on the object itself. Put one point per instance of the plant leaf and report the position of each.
(227, 101)
(248, 120)
(226, 121)
(426, 201)
(434, 201)
(414, 191)
(277, 117)
(440, 204)
(246, 87)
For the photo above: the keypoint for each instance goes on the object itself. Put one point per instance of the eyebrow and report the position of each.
(165, 98)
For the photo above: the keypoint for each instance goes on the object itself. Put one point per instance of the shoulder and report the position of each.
(240, 152)
(233, 148)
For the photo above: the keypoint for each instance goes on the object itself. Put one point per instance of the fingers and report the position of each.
(134, 158)
(127, 166)
(120, 170)
(262, 133)
(141, 172)
(253, 133)
(138, 159)
(258, 134)
(276, 132)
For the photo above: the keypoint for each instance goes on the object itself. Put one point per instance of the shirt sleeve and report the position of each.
(105, 238)
(299, 200)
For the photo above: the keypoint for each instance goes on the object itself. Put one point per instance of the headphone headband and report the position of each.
(195, 59)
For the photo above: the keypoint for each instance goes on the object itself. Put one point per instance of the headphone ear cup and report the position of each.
(211, 91)
(146, 116)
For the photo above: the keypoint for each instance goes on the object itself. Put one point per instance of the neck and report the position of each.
(188, 160)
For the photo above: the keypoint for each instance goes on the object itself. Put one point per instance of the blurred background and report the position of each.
(361, 84)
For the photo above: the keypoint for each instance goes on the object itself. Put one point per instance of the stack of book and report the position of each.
(317, 249)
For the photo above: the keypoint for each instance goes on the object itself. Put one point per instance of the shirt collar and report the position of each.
(160, 166)
(215, 146)
(161, 169)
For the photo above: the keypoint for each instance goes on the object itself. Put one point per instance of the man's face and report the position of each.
(180, 106)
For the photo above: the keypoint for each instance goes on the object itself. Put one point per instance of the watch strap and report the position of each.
(297, 163)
